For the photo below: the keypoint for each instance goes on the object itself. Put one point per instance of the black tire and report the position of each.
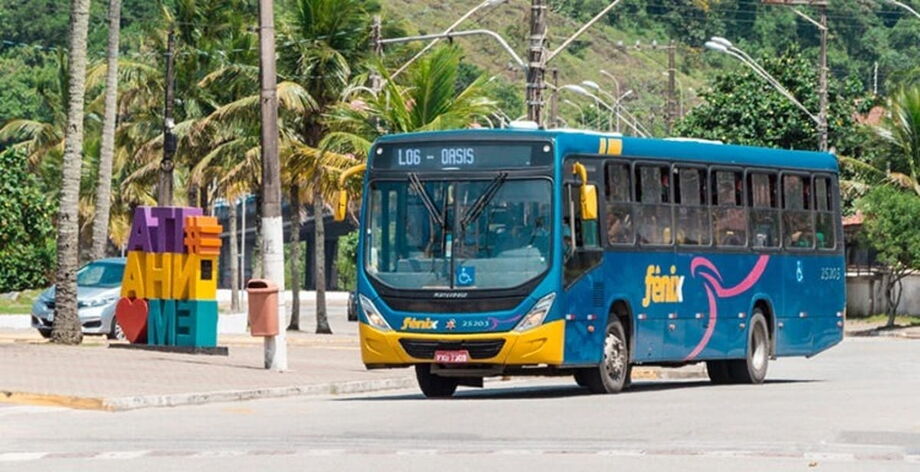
(612, 374)
(45, 333)
(116, 333)
(753, 368)
(434, 386)
(718, 372)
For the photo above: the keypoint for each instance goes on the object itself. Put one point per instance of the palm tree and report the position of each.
(104, 184)
(427, 101)
(326, 37)
(901, 128)
(66, 328)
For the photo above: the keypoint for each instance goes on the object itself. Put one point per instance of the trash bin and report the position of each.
(263, 307)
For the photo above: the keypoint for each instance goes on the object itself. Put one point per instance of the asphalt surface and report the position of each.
(851, 408)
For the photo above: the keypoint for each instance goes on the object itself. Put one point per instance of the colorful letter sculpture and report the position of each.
(169, 290)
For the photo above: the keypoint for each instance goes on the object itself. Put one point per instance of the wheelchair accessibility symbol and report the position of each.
(466, 276)
(799, 276)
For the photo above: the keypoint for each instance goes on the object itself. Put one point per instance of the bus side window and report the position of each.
(764, 210)
(798, 222)
(692, 212)
(729, 222)
(619, 206)
(824, 218)
(653, 192)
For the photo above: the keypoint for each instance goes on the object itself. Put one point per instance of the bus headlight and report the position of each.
(537, 314)
(374, 318)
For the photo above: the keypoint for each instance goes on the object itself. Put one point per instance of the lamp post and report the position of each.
(580, 111)
(636, 127)
(725, 46)
(484, 4)
(904, 6)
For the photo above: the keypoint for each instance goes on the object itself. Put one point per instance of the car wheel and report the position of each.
(434, 386)
(116, 332)
(613, 372)
(45, 333)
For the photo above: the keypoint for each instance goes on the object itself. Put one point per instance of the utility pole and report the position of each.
(554, 100)
(165, 184)
(821, 24)
(672, 99)
(377, 51)
(536, 61)
(822, 79)
(272, 228)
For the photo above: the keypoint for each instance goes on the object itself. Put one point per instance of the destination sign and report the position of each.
(456, 155)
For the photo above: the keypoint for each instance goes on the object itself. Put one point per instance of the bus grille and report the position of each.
(421, 349)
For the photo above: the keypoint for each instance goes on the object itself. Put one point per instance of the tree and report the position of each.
(104, 185)
(66, 328)
(890, 226)
(327, 37)
(901, 128)
(26, 230)
(742, 108)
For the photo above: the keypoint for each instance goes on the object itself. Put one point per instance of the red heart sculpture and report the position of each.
(131, 315)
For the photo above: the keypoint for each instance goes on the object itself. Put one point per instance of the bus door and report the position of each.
(689, 319)
(799, 240)
(656, 309)
(582, 253)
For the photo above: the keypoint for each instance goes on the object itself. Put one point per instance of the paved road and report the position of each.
(852, 408)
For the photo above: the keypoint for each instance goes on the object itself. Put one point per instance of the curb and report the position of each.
(330, 388)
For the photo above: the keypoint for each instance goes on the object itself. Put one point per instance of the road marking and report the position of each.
(21, 456)
(121, 455)
(830, 456)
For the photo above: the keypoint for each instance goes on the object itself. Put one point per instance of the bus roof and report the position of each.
(570, 141)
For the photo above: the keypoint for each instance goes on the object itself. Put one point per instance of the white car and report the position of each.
(98, 290)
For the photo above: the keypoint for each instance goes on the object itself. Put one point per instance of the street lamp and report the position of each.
(637, 129)
(904, 6)
(725, 46)
(577, 107)
(484, 4)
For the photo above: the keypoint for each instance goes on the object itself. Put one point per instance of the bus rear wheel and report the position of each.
(753, 368)
(432, 385)
(612, 374)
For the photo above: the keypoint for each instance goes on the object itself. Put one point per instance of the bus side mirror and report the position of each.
(341, 206)
(588, 193)
(588, 202)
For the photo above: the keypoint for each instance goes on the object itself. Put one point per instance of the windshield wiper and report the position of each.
(433, 213)
(479, 205)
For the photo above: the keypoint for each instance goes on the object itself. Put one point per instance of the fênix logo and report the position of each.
(662, 288)
(415, 323)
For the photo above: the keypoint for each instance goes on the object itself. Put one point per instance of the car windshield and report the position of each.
(476, 234)
(100, 274)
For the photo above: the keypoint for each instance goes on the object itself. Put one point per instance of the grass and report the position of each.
(21, 306)
(900, 320)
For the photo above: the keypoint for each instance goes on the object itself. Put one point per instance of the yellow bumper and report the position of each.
(541, 345)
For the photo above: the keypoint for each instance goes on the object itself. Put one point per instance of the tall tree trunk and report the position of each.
(234, 260)
(104, 184)
(295, 257)
(66, 328)
(322, 322)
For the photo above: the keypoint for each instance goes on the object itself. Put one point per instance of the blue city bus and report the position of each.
(564, 252)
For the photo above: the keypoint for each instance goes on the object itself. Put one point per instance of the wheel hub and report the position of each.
(614, 357)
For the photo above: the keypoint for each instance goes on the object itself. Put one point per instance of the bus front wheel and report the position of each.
(434, 386)
(612, 374)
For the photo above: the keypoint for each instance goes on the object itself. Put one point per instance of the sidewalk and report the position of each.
(92, 376)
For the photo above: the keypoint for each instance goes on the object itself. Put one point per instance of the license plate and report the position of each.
(452, 357)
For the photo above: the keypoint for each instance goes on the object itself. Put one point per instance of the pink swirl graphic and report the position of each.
(714, 289)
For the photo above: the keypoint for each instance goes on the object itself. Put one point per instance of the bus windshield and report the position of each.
(473, 234)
